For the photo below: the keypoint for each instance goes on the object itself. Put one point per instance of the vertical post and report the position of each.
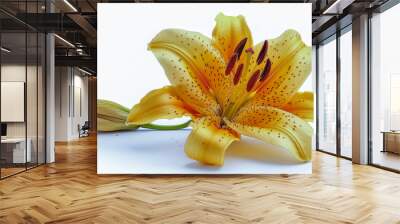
(338, 76)
(369, 90)
(26, 88)
(360, 90)
(0, 96)
(317, 97)
(50, 92)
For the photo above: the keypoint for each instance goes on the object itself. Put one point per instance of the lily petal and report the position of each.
(194, 65)
(159, 104)
(228, 32)
(109, 125)
(301, 105)
(276, 127)
(228, 35)
(111, 110)
(207, 142)
(112, 116)
(291, 65)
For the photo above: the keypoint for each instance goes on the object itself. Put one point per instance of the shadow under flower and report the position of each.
(257, 150)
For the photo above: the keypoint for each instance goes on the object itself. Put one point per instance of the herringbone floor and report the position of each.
(69, 191)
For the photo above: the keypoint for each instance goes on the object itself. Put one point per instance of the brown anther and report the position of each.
(239, 47)
(231, 64)
(262, 53)
(266, 70)
(252, 81)
(249, 50)
(238, 73)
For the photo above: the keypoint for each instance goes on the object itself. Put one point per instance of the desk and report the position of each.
(17, 152)
(391, 141)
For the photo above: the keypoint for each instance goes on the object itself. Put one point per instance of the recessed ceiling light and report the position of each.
(70, 5)
(5, 50)
(337, 7)
(84, 71)
(65, 41)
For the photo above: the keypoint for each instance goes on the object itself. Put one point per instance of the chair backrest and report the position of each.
(86, 125)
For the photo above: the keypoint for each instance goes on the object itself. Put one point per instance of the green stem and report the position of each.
(166, 127)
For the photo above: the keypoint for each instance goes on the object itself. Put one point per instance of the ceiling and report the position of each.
(76, 22)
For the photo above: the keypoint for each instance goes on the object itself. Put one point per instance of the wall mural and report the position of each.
(232, 104)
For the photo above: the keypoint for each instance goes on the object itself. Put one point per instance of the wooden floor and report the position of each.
(70, 191)
(387, 159)
(5, 172)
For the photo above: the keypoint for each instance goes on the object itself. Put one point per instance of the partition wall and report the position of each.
(23, 87)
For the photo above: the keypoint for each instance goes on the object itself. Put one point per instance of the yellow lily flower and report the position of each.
(230, 87)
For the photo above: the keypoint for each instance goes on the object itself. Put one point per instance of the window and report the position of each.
(346, 94)
(327, 97)
(385, 89)
(22, 77)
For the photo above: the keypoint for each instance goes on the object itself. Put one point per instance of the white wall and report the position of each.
(62, 81)
(12, 73)
(15, 72)
(71, 102)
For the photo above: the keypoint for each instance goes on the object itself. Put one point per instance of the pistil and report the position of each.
(249, 50)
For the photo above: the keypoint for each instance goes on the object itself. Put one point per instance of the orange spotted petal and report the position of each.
(159, 104)
(275, 126)
(232, 36)
(208, 142)
(301, 105)
(290, 66)
(195, 65)
(228, 32)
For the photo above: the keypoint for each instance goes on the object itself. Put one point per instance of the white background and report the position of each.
(127, 71)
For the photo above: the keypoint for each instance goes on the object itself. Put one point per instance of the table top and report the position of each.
(13, 140)
(391, 132)
(162, 152)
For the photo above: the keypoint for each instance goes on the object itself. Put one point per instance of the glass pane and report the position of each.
(41, 98)
(13, 86)
(346, 94)
(327, 97)
(31, 100)
(386, 89)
